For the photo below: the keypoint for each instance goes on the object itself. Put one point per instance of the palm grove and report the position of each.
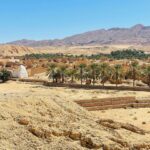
(99, 73)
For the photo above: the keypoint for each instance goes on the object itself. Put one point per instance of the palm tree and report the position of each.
(134, 70)
(62, 69)
(81, 67)
(71, 73)
(57, 75)
(93, 66)
(51, 70)
(147, 75)
(87, 75)
(118, 72)
(104, 71)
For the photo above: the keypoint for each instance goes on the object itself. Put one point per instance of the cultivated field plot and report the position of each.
(112, 103)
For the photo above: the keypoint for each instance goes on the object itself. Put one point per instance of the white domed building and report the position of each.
(20, 73)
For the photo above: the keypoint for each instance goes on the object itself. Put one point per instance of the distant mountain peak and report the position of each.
(138, 26)
(138, 34)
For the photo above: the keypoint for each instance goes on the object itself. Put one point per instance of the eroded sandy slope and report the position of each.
(38, 117)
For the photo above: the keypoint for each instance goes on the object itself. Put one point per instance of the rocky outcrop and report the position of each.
(117, 125)
(14, 50)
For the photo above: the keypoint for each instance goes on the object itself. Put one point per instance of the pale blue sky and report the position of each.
(49, 19)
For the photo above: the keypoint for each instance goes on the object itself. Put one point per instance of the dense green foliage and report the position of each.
(129, 54)
(122, 54)
(119, 54)
(38, 56)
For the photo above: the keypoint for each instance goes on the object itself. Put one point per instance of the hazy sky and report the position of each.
(49, 19)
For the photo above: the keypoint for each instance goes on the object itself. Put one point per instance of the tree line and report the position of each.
(119, 54)
(95, 73)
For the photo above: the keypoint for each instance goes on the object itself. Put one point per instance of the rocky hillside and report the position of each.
(14, 50)
(138, 34)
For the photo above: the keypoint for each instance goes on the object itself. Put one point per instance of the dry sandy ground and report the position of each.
(14, 50)
(89, 50)
(138, 117)
(34, 117)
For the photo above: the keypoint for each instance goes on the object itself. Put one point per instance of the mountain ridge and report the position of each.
(138, 34)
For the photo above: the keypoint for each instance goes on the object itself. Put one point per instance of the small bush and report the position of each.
(4, 75)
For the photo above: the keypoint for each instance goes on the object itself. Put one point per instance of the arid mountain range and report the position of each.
(136, 35)
(99, 41)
